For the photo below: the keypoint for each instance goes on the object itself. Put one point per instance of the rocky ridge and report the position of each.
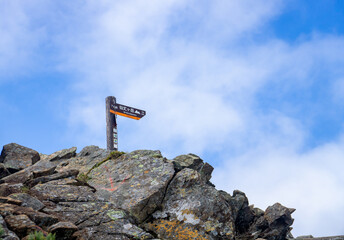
(97, 194)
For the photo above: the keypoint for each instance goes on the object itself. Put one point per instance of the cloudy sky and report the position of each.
(255, 87)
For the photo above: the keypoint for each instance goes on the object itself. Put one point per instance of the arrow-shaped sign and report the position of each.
(127, 111)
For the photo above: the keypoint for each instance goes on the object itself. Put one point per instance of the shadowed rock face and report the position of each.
(96, 194)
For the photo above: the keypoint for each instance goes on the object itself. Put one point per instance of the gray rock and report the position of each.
(84, 214)
(16, 157)
(304, 237)
(39, 218)
(27, 173)
(7, 235)
(3, 171)
(237, 202)
(135, 182)
(63, 193)
(63, 230)
(122, 227)
(62, 154)
(56, 176)
(194, 162)
(275, 223)
(20, 224)
(277, 213)
(191, 208)
(109, 224)
(43, 172)
(88, 150)
(258, 212)
(28, 201)
(7, 189)
(310, 237)
(43, 156)
(10, 200)
(2, 222)
(85, 163)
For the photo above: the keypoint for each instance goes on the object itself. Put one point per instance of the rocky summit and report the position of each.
(98, 194)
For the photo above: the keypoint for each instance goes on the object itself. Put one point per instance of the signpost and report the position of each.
(112, 110)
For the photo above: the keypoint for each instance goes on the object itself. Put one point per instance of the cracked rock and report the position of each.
(16, 157)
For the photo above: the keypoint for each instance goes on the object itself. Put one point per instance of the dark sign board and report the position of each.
(126, 111)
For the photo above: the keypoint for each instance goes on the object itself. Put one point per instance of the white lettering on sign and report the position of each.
(127, 111)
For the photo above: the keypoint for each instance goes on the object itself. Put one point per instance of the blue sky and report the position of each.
(254, 87)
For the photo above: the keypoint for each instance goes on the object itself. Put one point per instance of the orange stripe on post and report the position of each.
(125, 115)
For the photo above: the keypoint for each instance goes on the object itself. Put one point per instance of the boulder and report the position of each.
(39, 218)
(62, 154)
(98, 220)
(61, 175)
(20, 224)
(39, 168)
(135, 182)
(279, 221)
(243, 214)
(88, 150)
(63, 230)
(193, 208)
(8, 188)
(41, 172)
(277, 214)
(7, 234)
(7, 209)
(16, 157)
(86, 162)
(63, 193)
(273, 224)
(28, 201)
(82, 214)
(109, 224)
(10, 200)
(194, 162)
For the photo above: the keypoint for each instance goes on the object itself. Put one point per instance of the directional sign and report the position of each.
(126, 111)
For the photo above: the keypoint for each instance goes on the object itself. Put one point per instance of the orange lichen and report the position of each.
(175, 230)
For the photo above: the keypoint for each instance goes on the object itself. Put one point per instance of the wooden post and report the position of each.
(111, 126)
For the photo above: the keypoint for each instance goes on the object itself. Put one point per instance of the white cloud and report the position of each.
(20, 38)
